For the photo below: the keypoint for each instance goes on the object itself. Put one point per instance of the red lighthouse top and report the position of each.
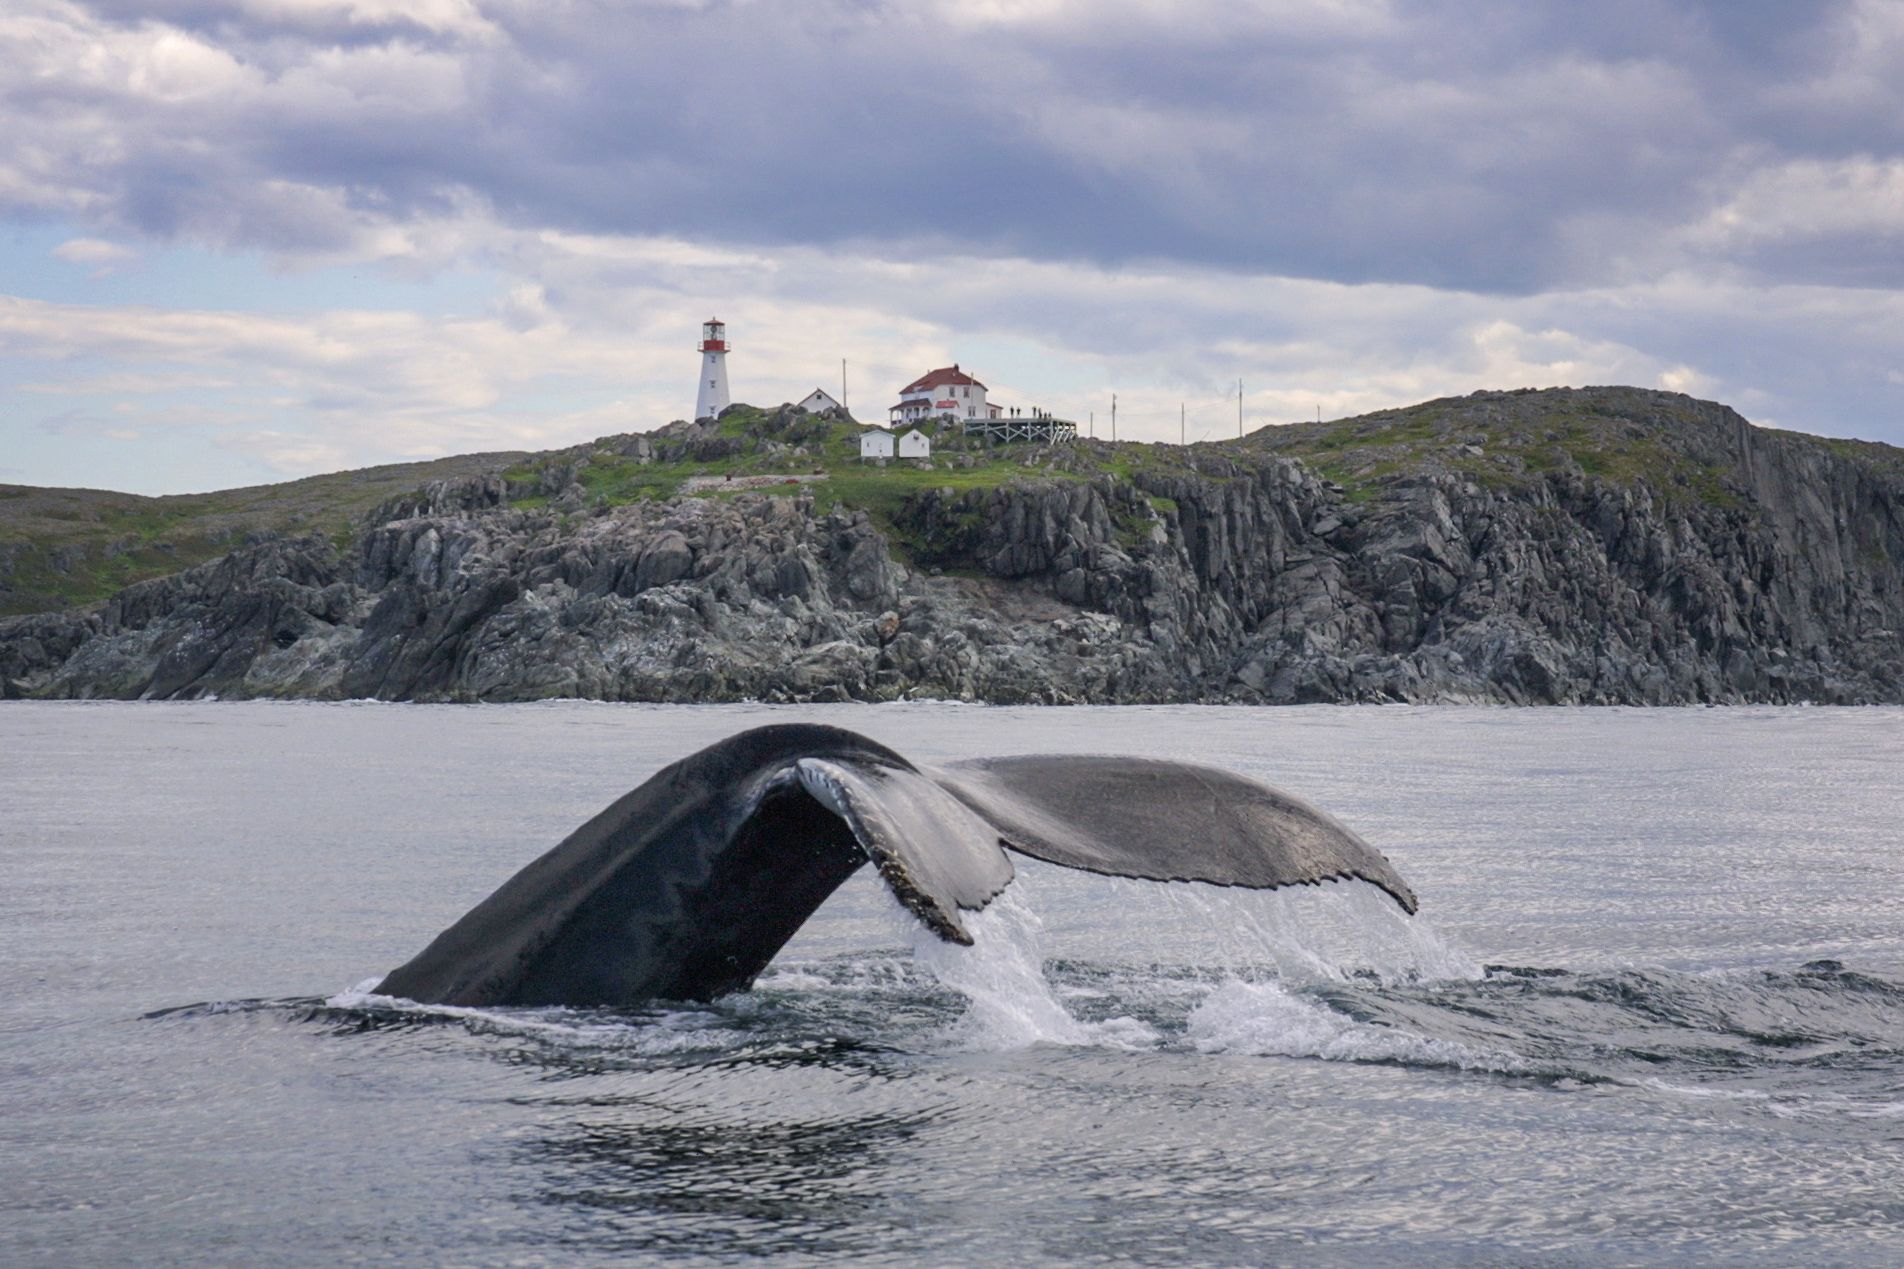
(713, 335)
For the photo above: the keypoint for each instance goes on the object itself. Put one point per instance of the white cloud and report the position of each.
(294, 454)
(1687, 380)
(129, 385)
(99, 253)
(1810, 198)
(462, 17)
(1146, 21)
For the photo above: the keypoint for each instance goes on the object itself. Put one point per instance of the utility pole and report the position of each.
(1180, 431)
(1113, 418)
(1093, 432)
(843, 404)
(1239, 409)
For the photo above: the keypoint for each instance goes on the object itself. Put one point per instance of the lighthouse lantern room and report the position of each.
(711, 398)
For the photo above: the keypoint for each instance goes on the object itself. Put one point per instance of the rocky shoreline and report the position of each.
(1240, 575)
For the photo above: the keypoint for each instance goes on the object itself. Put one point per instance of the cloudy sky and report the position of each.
(244, 240)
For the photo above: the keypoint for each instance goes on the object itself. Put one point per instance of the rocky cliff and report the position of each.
(1595, 546)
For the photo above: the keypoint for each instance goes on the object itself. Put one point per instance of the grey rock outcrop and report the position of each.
(1251, 578)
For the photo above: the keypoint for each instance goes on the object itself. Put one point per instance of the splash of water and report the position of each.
(1318, 936)
(1010, 1002)
(1321, 934)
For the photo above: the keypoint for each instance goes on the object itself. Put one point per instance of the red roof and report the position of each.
(921, 402)
(940, 378)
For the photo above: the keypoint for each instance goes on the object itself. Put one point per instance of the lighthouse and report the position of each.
(711, 398)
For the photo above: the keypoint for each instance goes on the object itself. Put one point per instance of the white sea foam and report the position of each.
(1268, 1019)
(671, 1031)
(1784, 1103)
(862, 973)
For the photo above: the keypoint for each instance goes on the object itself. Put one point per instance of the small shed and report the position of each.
(915, 444)
(817, 400)
(876, 443)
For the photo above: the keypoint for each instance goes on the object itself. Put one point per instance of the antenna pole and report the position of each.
(1239, 409)
(843, 404)
(1113, 418)
(1180, 431)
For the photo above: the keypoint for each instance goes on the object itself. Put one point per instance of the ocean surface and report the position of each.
(1652, 1011)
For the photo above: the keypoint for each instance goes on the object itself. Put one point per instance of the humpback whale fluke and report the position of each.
(685, 888)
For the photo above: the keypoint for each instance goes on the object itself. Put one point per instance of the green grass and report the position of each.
(885, 494)
(75, 547)
(741, 420)
(1510, 441)
(622, 480)
(1887, 459)
(885, 490)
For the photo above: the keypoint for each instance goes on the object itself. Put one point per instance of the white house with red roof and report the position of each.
(936, 393)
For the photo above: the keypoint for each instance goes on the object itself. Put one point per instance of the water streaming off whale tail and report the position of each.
(1236, 947)
(1010, 1002)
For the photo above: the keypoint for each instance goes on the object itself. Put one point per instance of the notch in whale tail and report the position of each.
(686, 888)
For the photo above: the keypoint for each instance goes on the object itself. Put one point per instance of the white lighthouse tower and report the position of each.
(711, 398)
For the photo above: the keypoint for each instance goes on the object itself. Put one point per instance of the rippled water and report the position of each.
(1654, 1010)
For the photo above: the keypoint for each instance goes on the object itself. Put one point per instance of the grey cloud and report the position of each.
(1845, 260)
(1502, 147)
(230, 21)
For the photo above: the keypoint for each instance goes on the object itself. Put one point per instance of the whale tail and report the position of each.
(685, 888)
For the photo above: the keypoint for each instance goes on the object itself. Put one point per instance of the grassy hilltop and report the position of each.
(63, 548)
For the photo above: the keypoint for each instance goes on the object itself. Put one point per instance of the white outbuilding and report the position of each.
(876, 443)
(817, 400)
(915, 444)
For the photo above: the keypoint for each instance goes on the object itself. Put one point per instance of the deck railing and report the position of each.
(1040, 428)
